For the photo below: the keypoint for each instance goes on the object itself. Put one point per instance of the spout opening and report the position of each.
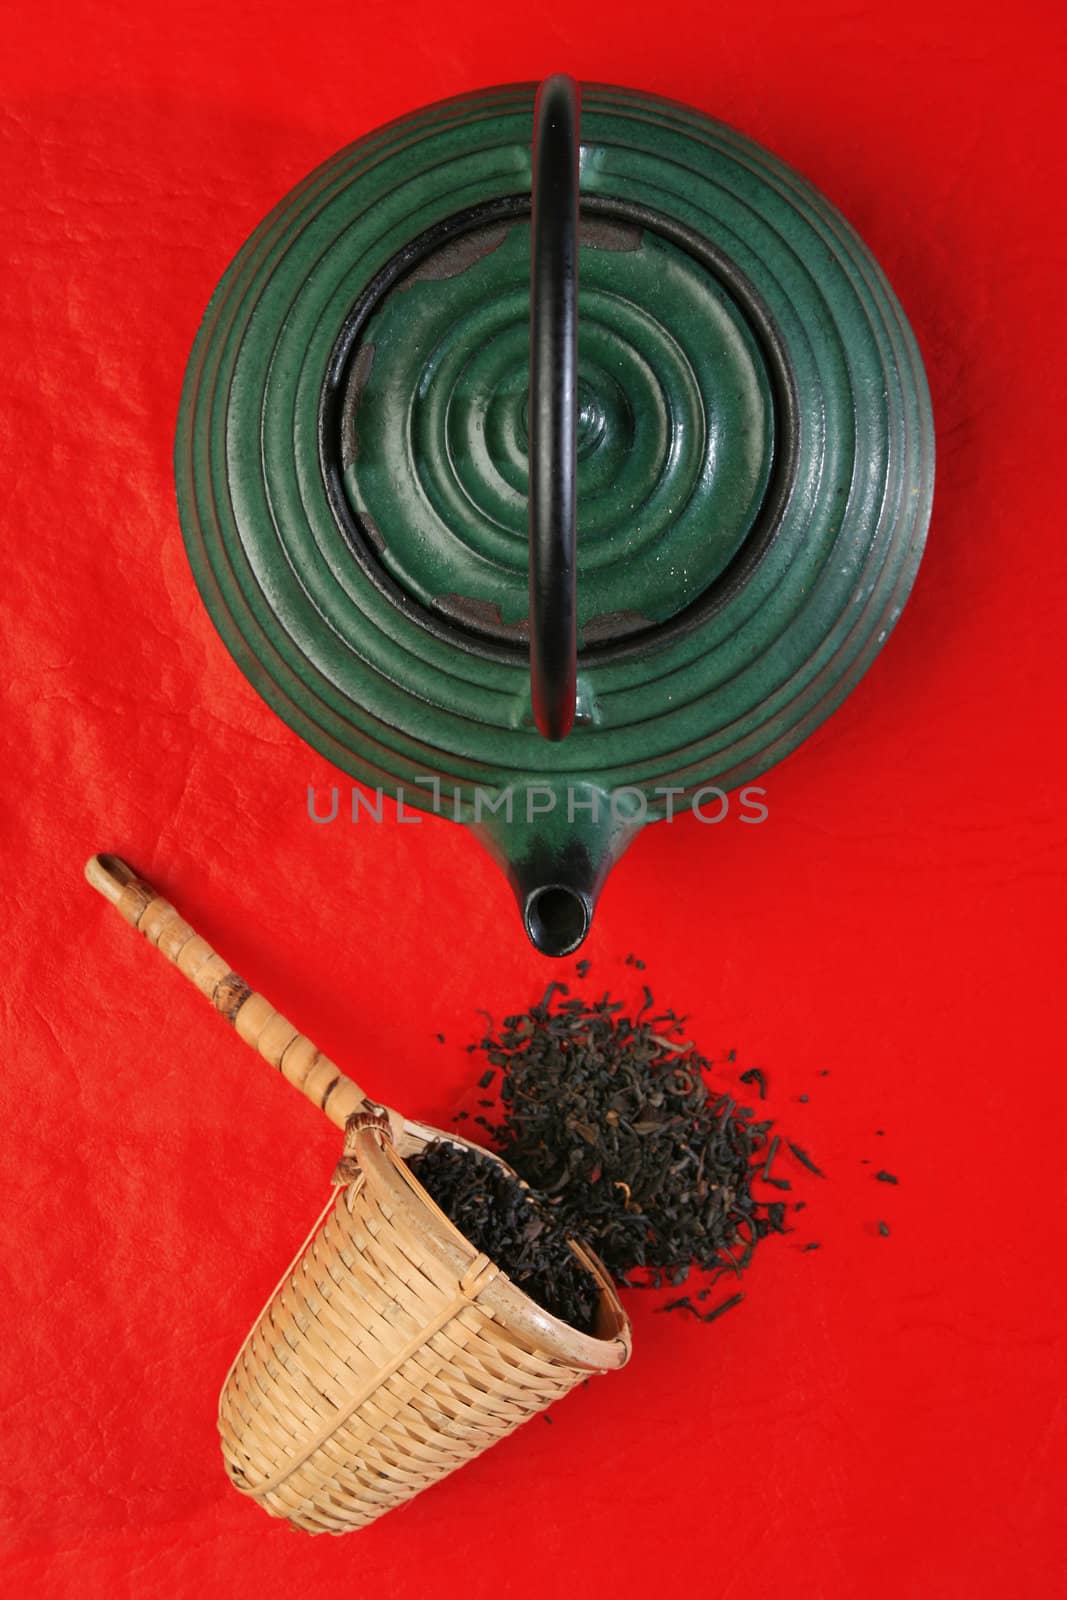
(557, 919)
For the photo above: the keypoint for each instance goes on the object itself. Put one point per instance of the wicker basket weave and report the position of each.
(391, 1351)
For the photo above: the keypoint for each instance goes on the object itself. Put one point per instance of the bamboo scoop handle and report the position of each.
(251, 1014)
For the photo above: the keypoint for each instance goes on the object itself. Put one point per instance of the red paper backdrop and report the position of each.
(880, 1417)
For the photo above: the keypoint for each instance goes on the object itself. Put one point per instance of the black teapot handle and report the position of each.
(553, 420)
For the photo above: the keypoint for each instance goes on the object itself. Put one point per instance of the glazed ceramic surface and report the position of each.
(755, 470)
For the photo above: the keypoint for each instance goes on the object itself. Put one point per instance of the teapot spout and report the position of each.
(557, 855)
(556, 916)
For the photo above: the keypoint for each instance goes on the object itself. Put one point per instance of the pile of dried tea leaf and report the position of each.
(612, 1119)
(521, 1235)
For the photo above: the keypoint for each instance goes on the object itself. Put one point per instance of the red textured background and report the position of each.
(883, 1417)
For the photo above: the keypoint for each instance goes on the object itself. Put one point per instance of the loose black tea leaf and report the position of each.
(883, 1229)
(683, 1303)
(754, 1075)
(612, 1120)
(519, 1233)
(727, 1305)
(886, 1177)
(805, 1160)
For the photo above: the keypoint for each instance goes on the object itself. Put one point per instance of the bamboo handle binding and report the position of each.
(251, 1014)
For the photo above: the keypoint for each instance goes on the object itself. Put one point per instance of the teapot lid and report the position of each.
(676, 430)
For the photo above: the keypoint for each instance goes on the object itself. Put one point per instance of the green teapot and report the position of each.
(554, 460)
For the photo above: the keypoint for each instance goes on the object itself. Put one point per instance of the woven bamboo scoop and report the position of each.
(391, 1351)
